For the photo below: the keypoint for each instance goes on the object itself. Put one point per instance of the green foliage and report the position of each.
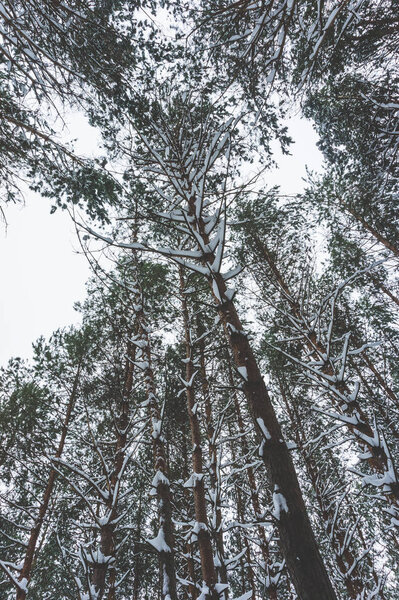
(320, 273)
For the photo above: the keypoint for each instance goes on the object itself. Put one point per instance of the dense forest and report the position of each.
(224, 421)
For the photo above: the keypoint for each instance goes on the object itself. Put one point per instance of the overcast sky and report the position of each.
(41, 272)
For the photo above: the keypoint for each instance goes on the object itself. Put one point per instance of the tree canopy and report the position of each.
(223, 422)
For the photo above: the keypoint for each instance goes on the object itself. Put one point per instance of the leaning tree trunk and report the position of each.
(343, 556)
(264, 545)
(384, 289)
(298, 543)
(368, 227)
(378, 457)
(383, 384)
(26, 570)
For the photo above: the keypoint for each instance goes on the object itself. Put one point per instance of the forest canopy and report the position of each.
(223, 421)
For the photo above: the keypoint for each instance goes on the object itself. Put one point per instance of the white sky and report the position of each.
(41, 273)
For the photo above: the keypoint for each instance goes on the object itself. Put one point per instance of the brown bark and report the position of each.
(377, 401)
(241, 519)
(167, 559)
(204, 538)
(26, 570)
(389, 392)
(192, 589)
(378, 236)
(344, 557)
(385, 290)
(137, 562)
(251, 575)
(221, 570)
(107, 541)
(264, 545)
(378, 460)
(298, 543)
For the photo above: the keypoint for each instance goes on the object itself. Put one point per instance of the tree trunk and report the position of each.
(297, 539)
(192, 589)
(251, 575)
(343, 556)
(204, 538)
(26, 570)
(389, 392)
(107, 542)
(378, 459)
(378, 236)
(241, 519)
(264, 545)
(161, 480)
(383, 410)
(385, 290)
(214, 479)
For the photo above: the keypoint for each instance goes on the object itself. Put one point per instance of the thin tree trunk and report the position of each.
(214, 479)
(378, 459)
(161, 480)
(241, 519)
(192, 589)
(378, 236)
(137, 563)
(389, 392)
(385, 290)
(26, 570)
(384, 412)
(107, 542)
(251, 575)
(344, 557)
(204, 538)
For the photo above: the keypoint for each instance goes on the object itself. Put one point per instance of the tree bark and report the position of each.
(344, 557)
(26, 570)
(264, 545)
(385, 290)
(214, 479)
(389, 392)
(107, 531)
(192, 589)
(250, 571)
(204, 538)
(378, 236)
(162, 484)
